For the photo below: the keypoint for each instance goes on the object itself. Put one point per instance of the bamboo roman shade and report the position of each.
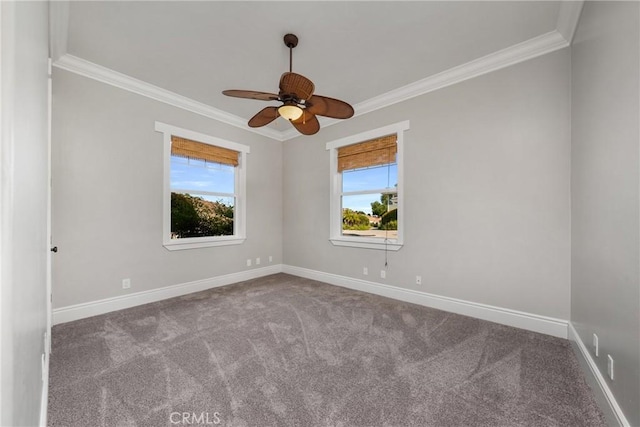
(183, 147)
(374, 152)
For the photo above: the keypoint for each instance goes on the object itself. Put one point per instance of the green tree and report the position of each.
(221, 224)
(185, 221)
(352, 220)
(196, 217)
(391, 225)
(216, 218)
(224, 210)
(377, 208)
(390, 216)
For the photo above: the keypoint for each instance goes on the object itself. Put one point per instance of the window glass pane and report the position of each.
(370, 215)
(198, 175)
(385, 176)
(201, 215)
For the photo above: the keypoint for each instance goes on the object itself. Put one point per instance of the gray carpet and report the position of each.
(287, 351)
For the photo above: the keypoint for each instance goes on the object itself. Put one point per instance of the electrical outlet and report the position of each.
(365, 271)
(383, 274)
(595, 345)
(610, 366)
(257, 261)
(249, 263)
(418, 280)
(270, 258)
(126, 283)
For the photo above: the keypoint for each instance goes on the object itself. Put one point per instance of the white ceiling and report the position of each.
(353, 51)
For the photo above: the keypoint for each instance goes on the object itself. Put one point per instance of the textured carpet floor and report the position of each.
(287, 351)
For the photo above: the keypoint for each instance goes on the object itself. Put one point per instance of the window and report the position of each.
(204, 189)
(366, 189)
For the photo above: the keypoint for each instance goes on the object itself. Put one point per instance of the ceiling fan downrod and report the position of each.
(290, 41)
(299, 105)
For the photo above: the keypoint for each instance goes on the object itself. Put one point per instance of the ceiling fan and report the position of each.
(299, 105)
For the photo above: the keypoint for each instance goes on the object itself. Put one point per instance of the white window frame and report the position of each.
(240, 211)
(335, 205)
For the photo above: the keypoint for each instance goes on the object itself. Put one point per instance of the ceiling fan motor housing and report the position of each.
(296, 86)
(299, 104)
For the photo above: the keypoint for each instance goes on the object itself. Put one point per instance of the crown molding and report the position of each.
(106, 75)
(529, 49)
(568, 18)
(520, 52)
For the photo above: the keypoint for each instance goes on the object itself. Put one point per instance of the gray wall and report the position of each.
(521, 192)
(107, 195)
(605, 288)
(487, 207)
(23, 209)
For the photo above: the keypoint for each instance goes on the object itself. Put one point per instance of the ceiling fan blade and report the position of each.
(307, 124)
(251, 94)
(296, 85)
(329, 107)
(264, 117)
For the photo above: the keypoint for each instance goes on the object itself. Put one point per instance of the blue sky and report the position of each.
(197, 175)
(379, 177)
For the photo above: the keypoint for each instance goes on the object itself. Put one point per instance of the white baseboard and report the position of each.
(94, 308)
(604, 391)
(518, 319)
(532, 322)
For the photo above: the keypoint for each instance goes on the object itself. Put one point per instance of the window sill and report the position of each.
(177, 245)
(378, 244)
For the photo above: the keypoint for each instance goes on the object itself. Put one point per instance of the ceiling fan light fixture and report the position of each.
(300, 105)
(290, 112)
